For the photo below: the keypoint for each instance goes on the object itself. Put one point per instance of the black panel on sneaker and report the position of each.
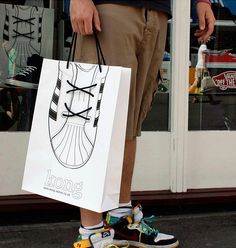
(29, 76)
(141, 235)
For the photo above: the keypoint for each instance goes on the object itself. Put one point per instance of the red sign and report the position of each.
(225, 80)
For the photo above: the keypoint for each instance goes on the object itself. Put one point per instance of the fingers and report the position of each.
(86, 27)
(83, 15)
(206, 22)
(87, 23)
(202, 23)
(82, 25)
(203, 35)
(210, 26)
(96, 21)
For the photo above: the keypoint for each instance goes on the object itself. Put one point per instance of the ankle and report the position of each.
(124, 210)
(86, 231)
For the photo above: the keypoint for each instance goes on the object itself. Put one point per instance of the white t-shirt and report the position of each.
(200, 61)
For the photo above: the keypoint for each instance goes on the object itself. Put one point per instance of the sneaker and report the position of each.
(136, 230)
(101, 239)
(22, 32)
(221, 59)
(29, 76)
(74, 112)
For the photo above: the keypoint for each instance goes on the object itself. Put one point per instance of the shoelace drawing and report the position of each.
(26, 21)
(84, 90)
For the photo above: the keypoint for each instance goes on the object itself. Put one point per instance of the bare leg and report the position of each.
(128, 168)
(89, 218)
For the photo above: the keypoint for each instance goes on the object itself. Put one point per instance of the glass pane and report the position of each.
(212, 74)
(158, 117)
(27, 36)
(46, 33)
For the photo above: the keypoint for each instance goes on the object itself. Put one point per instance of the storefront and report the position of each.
(188, 140)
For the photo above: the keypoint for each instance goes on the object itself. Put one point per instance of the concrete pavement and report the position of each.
(216, 230)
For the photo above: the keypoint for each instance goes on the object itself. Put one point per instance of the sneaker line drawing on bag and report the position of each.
(74, 113)
(22, 32)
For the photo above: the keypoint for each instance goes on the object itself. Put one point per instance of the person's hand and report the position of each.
(83, 14)
(206, 22)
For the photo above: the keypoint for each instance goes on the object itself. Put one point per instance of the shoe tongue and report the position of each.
(102, 239)
(138, 214)
(34, 60)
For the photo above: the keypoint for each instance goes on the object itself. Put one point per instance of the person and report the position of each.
(199, 70)
(132, 34)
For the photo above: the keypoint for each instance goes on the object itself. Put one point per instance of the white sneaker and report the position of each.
(101, 239)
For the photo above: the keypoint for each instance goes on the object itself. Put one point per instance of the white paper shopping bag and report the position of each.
(76, 145)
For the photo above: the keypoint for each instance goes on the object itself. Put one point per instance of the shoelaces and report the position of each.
(84, 90)
(20, 20)
(144, 227)
(27, 70)
(26, 21)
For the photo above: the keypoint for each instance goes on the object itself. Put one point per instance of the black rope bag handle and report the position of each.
(100, 55)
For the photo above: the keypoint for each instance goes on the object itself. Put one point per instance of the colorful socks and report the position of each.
(85, 232)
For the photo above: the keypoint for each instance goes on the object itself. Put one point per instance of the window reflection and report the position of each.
(30, 32)
(212, 74)
(27, 29)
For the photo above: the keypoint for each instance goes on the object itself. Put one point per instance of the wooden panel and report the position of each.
(31, 203)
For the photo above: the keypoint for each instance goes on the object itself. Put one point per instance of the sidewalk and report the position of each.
(217, 230)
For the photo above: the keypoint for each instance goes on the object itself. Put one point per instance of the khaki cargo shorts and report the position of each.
(131, 37)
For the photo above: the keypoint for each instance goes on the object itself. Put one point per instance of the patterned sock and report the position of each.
(86, 231)
(125, 209)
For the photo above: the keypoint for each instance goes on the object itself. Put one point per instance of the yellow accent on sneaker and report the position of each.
(129, 219)
(106, 234)
(82, 244)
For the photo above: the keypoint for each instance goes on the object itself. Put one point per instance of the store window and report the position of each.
(212, 72)
(32, 30)
(27, 36)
